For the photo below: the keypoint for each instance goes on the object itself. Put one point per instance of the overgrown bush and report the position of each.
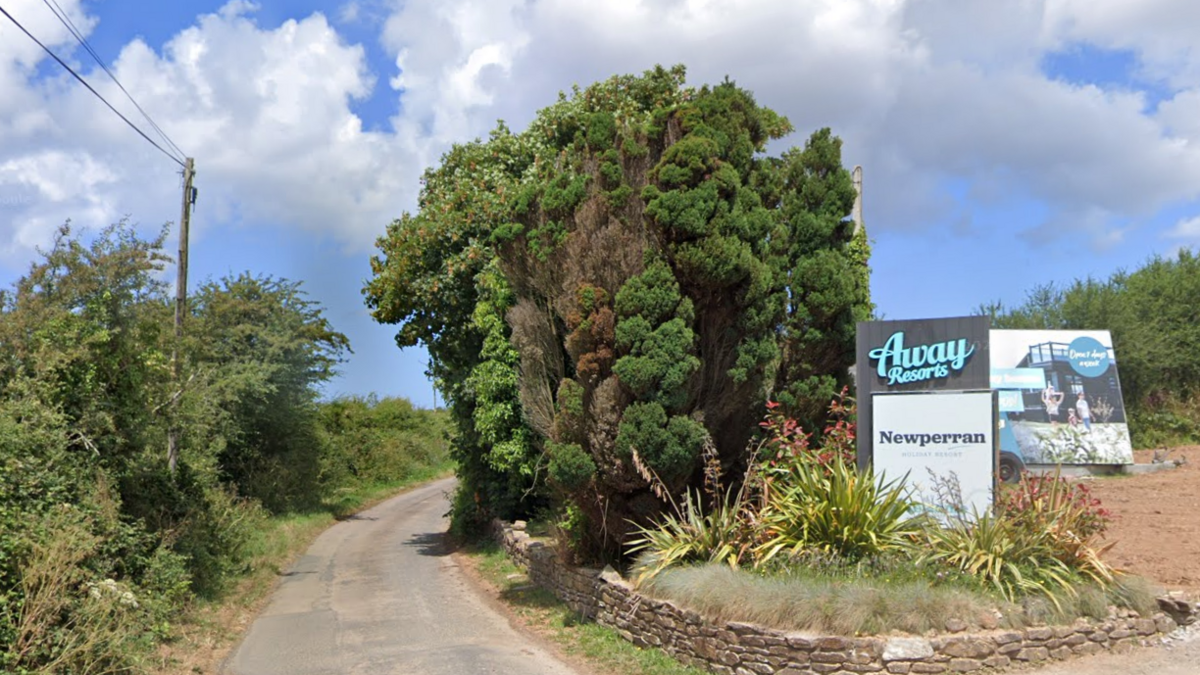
(375, 441)
(1042, 537)
(102, 546)
(632, 272)
(799, 499)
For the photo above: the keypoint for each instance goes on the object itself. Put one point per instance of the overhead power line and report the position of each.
(89, 87)
(66, 21)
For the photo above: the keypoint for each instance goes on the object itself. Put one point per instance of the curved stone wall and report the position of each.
(733, 648)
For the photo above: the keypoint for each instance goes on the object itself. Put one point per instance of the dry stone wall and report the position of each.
(732, 648)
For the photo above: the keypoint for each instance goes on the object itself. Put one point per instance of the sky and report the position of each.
(1004, 143)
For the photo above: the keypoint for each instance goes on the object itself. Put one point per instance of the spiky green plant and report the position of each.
(1065, 517)
(834, 508)
(692, 535)
(1010, 559)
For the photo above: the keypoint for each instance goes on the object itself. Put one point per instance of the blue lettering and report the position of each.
(902, 365)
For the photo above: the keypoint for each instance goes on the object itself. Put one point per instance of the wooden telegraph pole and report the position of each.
(180, 310)
(856, 214)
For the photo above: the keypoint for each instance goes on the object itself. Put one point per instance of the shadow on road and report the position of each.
(437, 544)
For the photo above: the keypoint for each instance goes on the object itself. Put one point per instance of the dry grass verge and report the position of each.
(587, 646)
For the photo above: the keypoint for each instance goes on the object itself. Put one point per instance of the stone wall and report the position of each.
(732, 648)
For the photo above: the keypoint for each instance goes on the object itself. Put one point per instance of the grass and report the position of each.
(818, 603)
(209, 629)
(601, 649)
(806, 599)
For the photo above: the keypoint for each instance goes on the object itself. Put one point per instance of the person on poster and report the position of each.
(1052, 399)
(1085, 411)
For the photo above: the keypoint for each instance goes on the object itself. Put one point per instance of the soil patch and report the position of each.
(1156, 520)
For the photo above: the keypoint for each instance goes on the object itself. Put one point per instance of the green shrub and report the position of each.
(689, 535)
(63, 617)
(570, 467)
(1063, 517)
(836, 509)
(370, 441)
(1009, 559)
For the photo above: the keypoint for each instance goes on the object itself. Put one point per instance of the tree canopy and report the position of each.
(618, 290)
(100, 545)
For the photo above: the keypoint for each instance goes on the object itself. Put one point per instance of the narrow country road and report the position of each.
(379, 594)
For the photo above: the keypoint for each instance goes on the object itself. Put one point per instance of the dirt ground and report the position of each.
(1156, 521)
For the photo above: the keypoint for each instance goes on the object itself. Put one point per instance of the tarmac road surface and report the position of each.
(379, 594)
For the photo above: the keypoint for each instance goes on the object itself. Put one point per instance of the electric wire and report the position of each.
(66, 21)
(89, 87)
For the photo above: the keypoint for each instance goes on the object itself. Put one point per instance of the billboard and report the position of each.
(944, 443)
(1060, 397)
(923, 355)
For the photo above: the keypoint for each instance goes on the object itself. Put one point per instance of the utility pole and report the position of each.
(856, 214)
(180, 309)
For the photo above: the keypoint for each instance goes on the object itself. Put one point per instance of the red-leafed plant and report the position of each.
(1066, 516)
(786, 441)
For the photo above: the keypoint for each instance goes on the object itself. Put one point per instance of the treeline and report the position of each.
(101, 545)
(1154, 317)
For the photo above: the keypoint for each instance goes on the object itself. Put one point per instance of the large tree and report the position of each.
(618, 289)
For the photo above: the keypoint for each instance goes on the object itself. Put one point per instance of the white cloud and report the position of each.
(349, 12)
(1188, 228)
(451, 57)
(1162, 32)
(266, 112)
(924, 92)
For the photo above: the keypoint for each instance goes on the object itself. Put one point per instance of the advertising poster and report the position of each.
(1060, 398)
(943, 443)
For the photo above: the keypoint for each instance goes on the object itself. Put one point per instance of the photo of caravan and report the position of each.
(1060, 397)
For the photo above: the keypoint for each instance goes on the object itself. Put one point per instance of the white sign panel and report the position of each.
(943, 442)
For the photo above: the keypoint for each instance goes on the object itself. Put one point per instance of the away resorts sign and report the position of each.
(903, 365)
(921, 355)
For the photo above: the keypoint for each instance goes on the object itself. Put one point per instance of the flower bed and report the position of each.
(735, 648)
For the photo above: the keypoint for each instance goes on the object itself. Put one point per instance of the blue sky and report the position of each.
(1005, 144)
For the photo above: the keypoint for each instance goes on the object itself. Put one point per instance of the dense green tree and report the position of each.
(260, 348)
(658, 277)
(88, 320)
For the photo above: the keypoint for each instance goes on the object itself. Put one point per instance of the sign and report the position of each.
(1060, 396)
(901, 365)
(919, 355)
(944, 443)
